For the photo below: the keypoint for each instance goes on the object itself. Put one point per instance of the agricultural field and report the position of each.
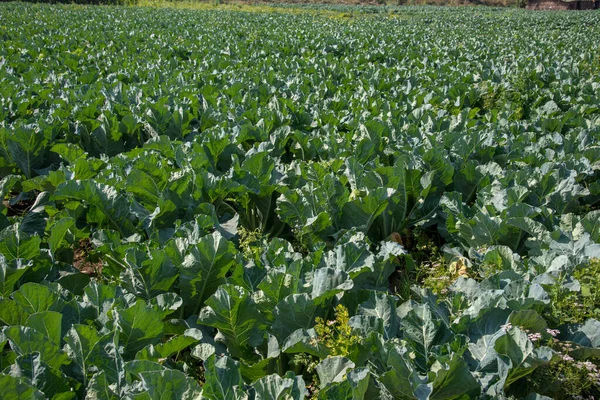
(323, 203)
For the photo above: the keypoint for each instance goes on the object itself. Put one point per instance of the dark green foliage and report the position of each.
(248, 205)
(91, 2)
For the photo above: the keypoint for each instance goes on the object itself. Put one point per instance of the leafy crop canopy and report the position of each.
(329, 201)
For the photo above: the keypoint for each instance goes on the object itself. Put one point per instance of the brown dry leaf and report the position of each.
(395, 237)
(458, 267)
(82, 261)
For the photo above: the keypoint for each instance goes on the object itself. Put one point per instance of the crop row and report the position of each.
(250, 205)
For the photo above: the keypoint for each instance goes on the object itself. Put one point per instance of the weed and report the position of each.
(250, 242)
(568, 306)
(307, 363)
(494, 98)
(435, 272)
(566, 377)
(337, 334)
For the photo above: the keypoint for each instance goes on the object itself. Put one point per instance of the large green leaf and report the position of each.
(223, 379)
(166, 349)
(139, 326)
(48, 380)
(99, 388)
(35, 298)
(109, 359)
(137, 367)
(81, 342)
(15, 244)
(353, 387)
(333, 370)
(304, 341)
(352, 256)
(313, 213)
(27, 147)
(382, 306)
(108, 208)
(170, 384)
(58, 232)
(296, 311)
(69, 152)
(401, 380)
(48, 323)
(277, 388)
(483, 334)
(203, 270)
(10, 272)
(453, 380)
(423, 331)
(232, 311)
(525, 357)
(104, 139)
(166, 303)
(528, 320)
(103, 298)
(145, 187)
(362, 212)
(18, 389)
(327, 282)
(24, 340)
(11, 313)
(276, 285)
(6, 185)
(586, 336)
(148, 275)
